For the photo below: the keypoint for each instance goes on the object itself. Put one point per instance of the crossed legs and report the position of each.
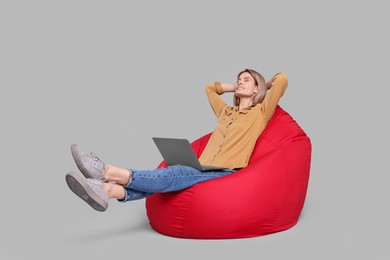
(115, 180)
(101, 182)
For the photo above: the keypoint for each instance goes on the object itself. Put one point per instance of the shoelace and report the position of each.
(95, 158)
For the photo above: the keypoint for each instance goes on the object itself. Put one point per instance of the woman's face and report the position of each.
(246, 85)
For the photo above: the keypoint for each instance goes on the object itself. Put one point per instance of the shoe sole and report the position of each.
(76, 157)
(81, 188)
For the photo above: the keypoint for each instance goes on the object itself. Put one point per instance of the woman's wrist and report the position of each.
(228, 87)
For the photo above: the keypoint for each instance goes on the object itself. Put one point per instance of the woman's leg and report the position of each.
(169, 179)
(102, 181)
(146, 182)
(135, 184)
(115, 174)
(139, 184)
(116, 190)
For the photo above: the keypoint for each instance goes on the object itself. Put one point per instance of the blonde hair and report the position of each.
(260, 83)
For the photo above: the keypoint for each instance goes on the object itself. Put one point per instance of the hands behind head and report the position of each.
(268, 84)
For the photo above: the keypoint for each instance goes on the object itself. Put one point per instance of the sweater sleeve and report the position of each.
(213, 92)
(271, 100)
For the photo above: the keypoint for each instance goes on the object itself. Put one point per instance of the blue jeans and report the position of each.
(146, 182)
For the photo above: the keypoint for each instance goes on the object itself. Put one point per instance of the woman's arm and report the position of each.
(228, 87)
(276, 87)
(213, 92)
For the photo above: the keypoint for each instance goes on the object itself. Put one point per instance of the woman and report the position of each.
(230, 146)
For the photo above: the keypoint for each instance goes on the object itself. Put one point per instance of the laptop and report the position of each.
(179, 151)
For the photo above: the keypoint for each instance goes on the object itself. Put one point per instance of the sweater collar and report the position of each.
(235, 109)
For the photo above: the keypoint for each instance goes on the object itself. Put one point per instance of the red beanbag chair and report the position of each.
(265, 197)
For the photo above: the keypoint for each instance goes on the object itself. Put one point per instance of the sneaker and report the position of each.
(89, 164)
(89, 190)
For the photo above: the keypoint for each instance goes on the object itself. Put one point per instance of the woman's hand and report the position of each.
(268, 84)
(228, 87)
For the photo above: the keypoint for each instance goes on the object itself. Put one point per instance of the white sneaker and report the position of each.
(89, 190)
(89, 164)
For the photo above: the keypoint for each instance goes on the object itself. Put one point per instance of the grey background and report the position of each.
(109, 75)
